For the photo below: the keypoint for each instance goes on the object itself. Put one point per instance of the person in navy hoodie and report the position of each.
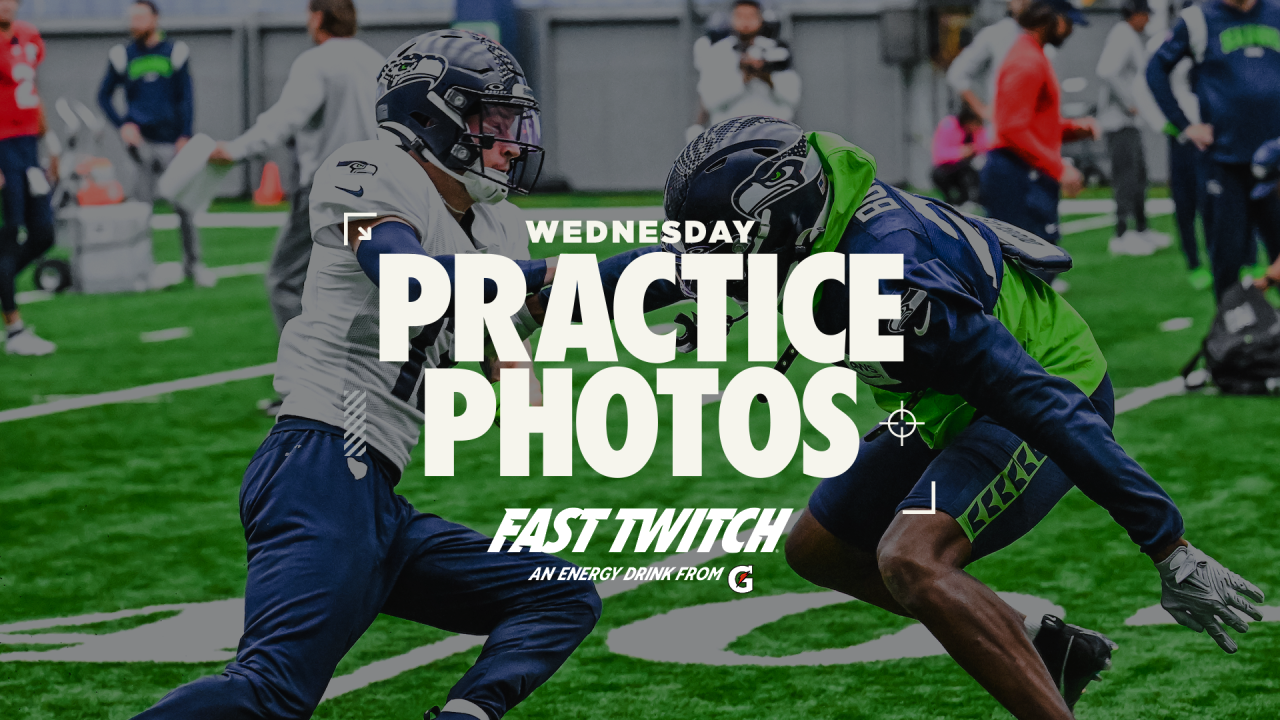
(154, 72)
(1235, 48)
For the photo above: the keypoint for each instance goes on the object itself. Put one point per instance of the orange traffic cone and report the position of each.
(269, 191)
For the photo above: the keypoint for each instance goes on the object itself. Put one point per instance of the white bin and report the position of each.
(110, 246)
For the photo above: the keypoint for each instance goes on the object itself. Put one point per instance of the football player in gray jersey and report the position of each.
(330, 543)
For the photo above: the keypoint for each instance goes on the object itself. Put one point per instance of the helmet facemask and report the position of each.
(497, 123)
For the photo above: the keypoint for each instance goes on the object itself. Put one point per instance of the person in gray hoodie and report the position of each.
(1124, 58)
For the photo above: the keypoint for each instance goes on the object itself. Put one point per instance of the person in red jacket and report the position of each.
(26, 187)
(1025, 174)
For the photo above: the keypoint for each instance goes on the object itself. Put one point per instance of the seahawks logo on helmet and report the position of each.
(412, 67)
(778, 176)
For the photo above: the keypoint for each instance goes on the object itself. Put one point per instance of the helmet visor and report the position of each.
(510, 139)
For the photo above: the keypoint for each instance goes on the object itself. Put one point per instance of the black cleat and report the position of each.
(1075, 656)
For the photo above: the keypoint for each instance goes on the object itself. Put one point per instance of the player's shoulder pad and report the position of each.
(885, 210)
(178, 57)
(119, 59)
(372, 177)
(1028, 249)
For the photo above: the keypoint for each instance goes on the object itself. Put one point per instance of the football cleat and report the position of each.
(1131, 243)
(1075, 656)
(27, 342)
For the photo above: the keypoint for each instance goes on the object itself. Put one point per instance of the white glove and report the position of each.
(1195, 588)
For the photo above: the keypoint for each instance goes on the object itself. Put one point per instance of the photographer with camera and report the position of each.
(748, 72)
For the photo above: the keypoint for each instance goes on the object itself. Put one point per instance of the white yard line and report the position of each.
(136, 393)
(1144, 396)
(169, 221)
(1155, 206)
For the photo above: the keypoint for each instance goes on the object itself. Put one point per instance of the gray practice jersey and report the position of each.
(328, 359)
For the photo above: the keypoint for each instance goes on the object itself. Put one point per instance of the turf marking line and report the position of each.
(1144, 396)
(137, 393)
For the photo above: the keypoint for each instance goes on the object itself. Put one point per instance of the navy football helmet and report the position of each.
(750, 168)
(449, 95)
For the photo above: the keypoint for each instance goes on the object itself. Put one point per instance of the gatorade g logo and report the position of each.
(740, 579)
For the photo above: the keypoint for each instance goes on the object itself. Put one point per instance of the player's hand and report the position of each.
(220, 156)
(1086, 129)
(130, 134)
(53, 169)
(1271, 277)
(1201, 134)
(1198, 591)
(1072, 181)
(180, 143)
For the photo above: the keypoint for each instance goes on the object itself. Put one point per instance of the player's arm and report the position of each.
(390, 236)
(659, 294)
(1162, 63)
(301, 98)
(965, 69)
(985, 364)
(107, 89)
(184, 93)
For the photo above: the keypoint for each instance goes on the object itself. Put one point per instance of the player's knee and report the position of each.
(801, 549)
(909, 576)
(586, 594)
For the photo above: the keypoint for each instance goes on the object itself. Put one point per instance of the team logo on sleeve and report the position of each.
(411, 68)
(359, 167)
(911, 301)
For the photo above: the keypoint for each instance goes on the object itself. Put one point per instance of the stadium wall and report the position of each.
(617, 83)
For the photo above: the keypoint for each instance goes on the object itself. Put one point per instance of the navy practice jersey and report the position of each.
(1236, 74)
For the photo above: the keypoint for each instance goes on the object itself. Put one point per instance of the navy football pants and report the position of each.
(21, 209)
(329, 551)
(1022, 196)
(1233, 219)
(994, 484)
(1186, 185)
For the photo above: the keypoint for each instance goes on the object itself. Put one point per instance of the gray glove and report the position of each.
(1195, 588)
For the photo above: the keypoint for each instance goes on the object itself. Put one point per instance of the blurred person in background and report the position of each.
(1186, 161)
(1124, 58)
(26, 187)
(959, 144)
(978, 65)
(1024, 173)
(1235, 48)
(746, 72)
(160, 108)
(1266, 168)
(327, 102)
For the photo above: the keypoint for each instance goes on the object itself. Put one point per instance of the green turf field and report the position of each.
(131, 505)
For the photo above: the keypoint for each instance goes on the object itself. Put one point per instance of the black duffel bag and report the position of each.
(1242, 350)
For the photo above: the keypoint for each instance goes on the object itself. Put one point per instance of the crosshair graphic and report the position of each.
(898, 424)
